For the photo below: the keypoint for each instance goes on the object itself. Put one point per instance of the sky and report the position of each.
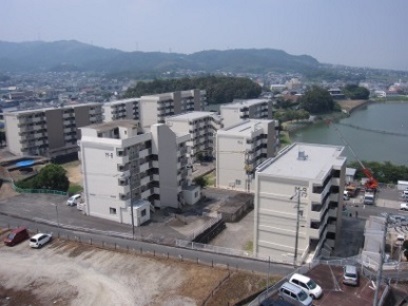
(361, 33)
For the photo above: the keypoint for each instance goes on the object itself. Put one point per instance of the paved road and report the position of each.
(180, 253)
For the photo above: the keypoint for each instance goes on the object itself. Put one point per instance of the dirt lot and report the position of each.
(67, 273)
(74, 172)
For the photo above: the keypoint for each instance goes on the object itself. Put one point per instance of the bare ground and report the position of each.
(67, 273)
(74, 172)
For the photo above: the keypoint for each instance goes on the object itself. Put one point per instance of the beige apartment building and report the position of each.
(121, 109)
(50, 132)
(304, 181)
(122, 166)
(202, 127)
(241, 110)
(155, 108)
(240, 149)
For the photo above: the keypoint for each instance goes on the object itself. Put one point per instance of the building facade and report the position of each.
(298, 202)
(239, 111)
(155, 108)
(240, 149)
(50, 132)
(137, 166)
(202, 127)
(121, 109)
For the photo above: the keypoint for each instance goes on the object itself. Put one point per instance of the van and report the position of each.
(16, 236)
(295, 295)
(307, 284)
(350, 275)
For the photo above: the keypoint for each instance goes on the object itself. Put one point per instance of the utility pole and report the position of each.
(380, 267)
(133, 221)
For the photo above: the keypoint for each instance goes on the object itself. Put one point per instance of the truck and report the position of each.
(369, 197)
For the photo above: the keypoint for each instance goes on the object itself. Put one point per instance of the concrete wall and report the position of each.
(230, 162)
(12, 136)
(147, 113)
(231, 116)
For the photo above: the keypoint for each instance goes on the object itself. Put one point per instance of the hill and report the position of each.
(74, 55)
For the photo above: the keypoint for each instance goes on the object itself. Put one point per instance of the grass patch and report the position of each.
(209, 179)
(284, 138)
(249, 246)
(75, 188)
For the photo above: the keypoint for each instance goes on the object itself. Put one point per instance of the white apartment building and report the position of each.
(241, 110)
(50, 132)
(202, 127)
(312, 175)
(240, 149)
(121, 109)
(153, 109)
(121, 167)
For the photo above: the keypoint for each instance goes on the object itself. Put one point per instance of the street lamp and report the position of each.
(297, 223)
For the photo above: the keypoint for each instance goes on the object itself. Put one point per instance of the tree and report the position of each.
(317, 100)
(355, 92)
(219, 89)
(52, 177)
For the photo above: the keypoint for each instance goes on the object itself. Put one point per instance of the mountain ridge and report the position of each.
(48, 56)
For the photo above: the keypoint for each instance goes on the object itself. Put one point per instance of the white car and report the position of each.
(37, 241)
(307, 284)
(404, 206)
(74, 200)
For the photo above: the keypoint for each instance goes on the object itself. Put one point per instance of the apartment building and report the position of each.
(121, 109)
(51, 132)
(298, 202)
(202, 127)
(241, 110)
(122, 166)
(240, 149)
(155, 108)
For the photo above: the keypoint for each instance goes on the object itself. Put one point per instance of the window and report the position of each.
(237, 182)
(143, 213)
(112, 211)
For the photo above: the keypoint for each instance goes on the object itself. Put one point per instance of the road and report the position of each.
(208, 258)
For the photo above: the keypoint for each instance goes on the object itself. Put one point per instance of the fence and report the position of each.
(47, 191)
(210, 248)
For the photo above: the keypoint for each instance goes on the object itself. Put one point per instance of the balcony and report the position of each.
(145, 180)
(331, 228)
(314, 233)
(333, 212)
(144, 167)
(145, 194)
(124, 159)
(123, 189)
(316, 215)
(143, 153)
(336, 181)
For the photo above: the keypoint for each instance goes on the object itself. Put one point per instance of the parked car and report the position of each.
(16, 236)
(74, 200)
(404, 206)
(350, 275)
(37, 241)
(307, 284)
(294, 295)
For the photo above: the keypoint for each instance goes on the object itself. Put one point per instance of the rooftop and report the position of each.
(242, 103)
(107, 126)
(118, 102)
(39, 110)
(190, 116)
(246, 127)
(318, 160)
